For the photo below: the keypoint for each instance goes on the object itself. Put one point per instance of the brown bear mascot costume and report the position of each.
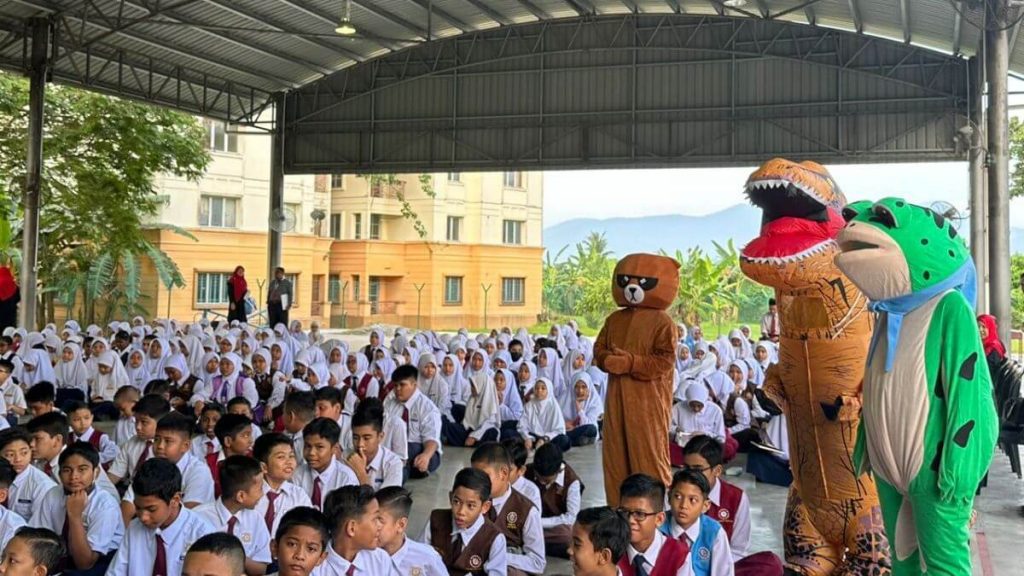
(636, 347)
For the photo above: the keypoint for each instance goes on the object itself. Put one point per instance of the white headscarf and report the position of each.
(179, 363)
(107, 385)
(456, 380)
(73, 373)
(592, 407)
(155, 366)
(511, 405)
(552, 372)
(435, 388)
(483, 407)
(43, 372)
(137, 377)
(323, 375)
(526, 386)
(543, 416)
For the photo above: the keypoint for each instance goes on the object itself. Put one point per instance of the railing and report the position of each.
(387, 191)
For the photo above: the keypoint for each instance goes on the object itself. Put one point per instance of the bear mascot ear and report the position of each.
(645, 281)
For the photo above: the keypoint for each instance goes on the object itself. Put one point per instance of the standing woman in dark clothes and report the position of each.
(10, 296)
(237, 291)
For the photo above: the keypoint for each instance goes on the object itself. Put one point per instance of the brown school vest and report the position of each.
(474, 555)
(511, 519)
(554, 498)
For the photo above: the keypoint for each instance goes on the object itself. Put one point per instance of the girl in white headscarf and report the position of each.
(110, 378)
(527, 378)
(158, 353)
(510, 405)
(582, 410)
(382, 370)
(434, 386)
(543, 420)
(183, 383)
(35, 368)
(451, 371)
(136, 369)
(600, 379)
(319, 376)
(766, 354)
(740, 344)
(270, 390)
(482, 416)
(281, 358)
(479, 363)
(739, 408)
(193, 346)
(376, 341)
(336, 363)
(72, 374)
(226, 385)
(548, 367)
(573, 363)
(361, 382)
(695, 415)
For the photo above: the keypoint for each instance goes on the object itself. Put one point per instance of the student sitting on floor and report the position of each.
(730, 507)
(9, 520)
(234, 434)
(600, 537)
(329, 405)
(147, 411)
(696, 415)
(513, 514)
(407, 555)
(216, 554)
(582, 410)
(33, 552)
(543, 420)
(205, 445)
(642, 502)
(40, 399)
(374, 465)
(239, 405)
(466, 539)
(30, 483)
(14, 396)
(560, 491)
(300, 542)
(422, 418)
(322, 472)
(705, 544)
(355, 534)
(80, 418)
(87, 519)
(49, 438)
(516, 449)
(234, 512)
(124, 401)
(299, 409)
(276, 456)
(510, 404)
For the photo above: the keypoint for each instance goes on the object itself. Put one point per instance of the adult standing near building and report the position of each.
(770, 327)
(10, 296)
(238, 289)
(279, 298)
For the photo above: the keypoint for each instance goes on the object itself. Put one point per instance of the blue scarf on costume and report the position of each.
(963, 280)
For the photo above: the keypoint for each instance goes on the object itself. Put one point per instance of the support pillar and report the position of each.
(976, 168)
(38, 72)
(276, 212)
(997, 55)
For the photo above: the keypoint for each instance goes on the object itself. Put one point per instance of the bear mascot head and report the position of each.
(645, 281)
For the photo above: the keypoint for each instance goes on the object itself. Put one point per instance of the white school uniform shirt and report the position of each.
(651, 554)
(385, 469)
(374, 562)
(297, 444)
(9, 524)
(104, 527)
(531, 558)
(529, 489)
(289, 496)
(742, 411)
(124, 430)
(497, 561)
(251, 528)
(417, 558)
(424, 418)
(396, 437)
(28, 489)
(128, 456)
(256, 431)
(14, 396)
(740, 541)
(721, 556)
(196, 481)
(709, 421)
(199, 446)
(334, 476)
(137, 553)
(345, 423)
(102, 480)
(108, 449)
(572, 503)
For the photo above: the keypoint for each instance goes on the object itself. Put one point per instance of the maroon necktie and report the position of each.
(160, 564)
(405, 415)
(232, 522)
(351, 570)
(48, 470)
(271, 496)
(144, 456)
(317, 496)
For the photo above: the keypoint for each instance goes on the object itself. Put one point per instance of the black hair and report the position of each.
(370, 412)
(707, 447)
(122, 335)
(126, 390)
(328, 394)
(240, 400)
(7, 473)
(153, 405)
(223, 545)
(47, 548)
(237, 473)
(491, 454)
(265, 444)
(157, 477)
(303, 516)
(325, 428)
(158, 386)
(476, 480)
(9, 341)
(43, 392)
(177, 422)
(149, 337)
(14, 434)
(607, 530)
(396, 500)
(302, 404)
(515, 342)
(405, 372)
(347, 503)
(771, 301)
(517, 451)
(74, 406)
(82, 449)
(212, 407)
(6, 364)
(231, 425)
(644, 486)
(53, 423)
(548, 459)
(686, 476)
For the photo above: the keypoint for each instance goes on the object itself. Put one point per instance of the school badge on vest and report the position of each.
(723, 514)
(475, 562)
(704, 553)
(511, 520)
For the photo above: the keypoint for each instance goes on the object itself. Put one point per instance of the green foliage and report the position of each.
(1016, 296)
(394, 185)
(1016, 157)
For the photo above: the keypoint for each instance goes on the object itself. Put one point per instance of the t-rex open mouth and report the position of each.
(797, 222)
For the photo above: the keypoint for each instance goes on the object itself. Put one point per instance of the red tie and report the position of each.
(160, 564)
(684, 541)
(405, 415)
(144, 456)
(351, 570)
(210, 448)
(316, 493)
(775, 327)
(232, 522)
(48, 470)
(271, 496)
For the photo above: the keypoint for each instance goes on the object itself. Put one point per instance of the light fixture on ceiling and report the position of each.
(734, 3)
(345, 28)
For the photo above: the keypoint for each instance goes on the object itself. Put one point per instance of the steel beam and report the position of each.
(858, 24)
(534, 9)
(42, 31)
(976, 171)
(905, 19)
(957, 23)
(490, 12)
(997, 41)
(429, 7)
(275, 237)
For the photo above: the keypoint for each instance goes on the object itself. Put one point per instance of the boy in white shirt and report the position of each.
(86, 518)
(30, 483)
(702, 537)
(240, 405)
(156, 540)
(322, 472)
(300, 541)
(600, 537)
(216, 554)
(355, 515)
(147, 411)
(516, 448)
(124, 400)
(80, 417)
(407, 555)
(49, 439)
(14, 396)
(463, 536)
(206, 446)
(241, 488)
(422, 418)
(374, 465)
(34, 552)
(276, 456)
(328, 405)
(9, 521)
(299, 409)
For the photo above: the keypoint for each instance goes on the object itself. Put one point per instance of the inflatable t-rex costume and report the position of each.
(929, 421)
(637, 348)
(833, 523)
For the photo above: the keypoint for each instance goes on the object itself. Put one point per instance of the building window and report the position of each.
(294, 279)
(293, 212)
(355, 288)
(336, 226)
(212, 288)
(454, 228)
(357, 226)
(222, 137)
(513, 290)
(334, 288)
(513, 179)
(374, 226)
(455, 176)
(512, 232)
(453, 289)
(338, 181)
(218, 211)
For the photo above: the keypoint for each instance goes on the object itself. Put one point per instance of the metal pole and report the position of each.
(275, 242)
(39, 69)
(419, 298)
(486, 288)
(997, 65)
(976, 167)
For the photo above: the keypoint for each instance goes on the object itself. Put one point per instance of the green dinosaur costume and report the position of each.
(929, 425)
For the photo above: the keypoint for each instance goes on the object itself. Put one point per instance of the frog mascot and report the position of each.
(929, 425)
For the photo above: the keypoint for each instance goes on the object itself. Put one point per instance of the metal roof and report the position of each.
(224, 58)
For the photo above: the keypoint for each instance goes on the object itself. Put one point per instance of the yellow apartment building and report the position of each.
(352, 255)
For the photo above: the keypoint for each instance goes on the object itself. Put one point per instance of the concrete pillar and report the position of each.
(997, 69)
(276, 216)
(976, 168)
(38, 72)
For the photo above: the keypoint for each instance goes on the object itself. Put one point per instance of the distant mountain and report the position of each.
(652, 233)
